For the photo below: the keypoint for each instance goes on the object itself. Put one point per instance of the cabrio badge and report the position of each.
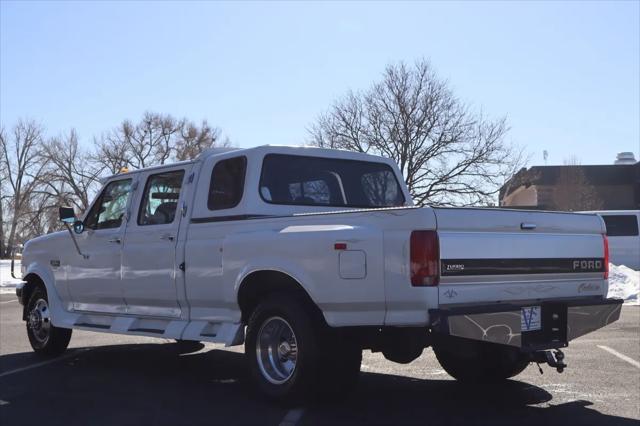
(588, 287)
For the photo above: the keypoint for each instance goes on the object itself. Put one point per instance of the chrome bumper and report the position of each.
(561, 321)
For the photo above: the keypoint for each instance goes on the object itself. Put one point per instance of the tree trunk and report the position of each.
(12, 235)
(1, 227)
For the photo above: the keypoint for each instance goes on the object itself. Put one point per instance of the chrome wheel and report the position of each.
(276, 350)
(39, 321)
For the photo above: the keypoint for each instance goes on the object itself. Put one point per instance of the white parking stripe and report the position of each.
(292, 417)
(40, 364)
(9, 301)
(621, 356)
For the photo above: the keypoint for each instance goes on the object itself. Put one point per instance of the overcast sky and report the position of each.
(566, 74)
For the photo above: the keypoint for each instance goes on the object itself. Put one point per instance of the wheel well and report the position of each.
(258, 285)
(33, 281)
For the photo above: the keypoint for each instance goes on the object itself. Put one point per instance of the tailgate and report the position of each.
(495, 255)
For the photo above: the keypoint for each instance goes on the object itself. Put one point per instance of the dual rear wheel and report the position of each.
(473, 361)
(292, 357)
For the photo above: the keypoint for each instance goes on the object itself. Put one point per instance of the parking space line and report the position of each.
(292, 417)
(621, 356)
(40, 364)
(9, 301)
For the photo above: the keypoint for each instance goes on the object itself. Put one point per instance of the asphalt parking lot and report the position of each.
(124, 380)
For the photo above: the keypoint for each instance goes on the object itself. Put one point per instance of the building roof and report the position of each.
(597, 175)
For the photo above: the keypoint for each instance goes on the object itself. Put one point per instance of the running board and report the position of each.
(201, 331)
(100, 326)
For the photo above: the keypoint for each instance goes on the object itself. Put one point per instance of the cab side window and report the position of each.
(227, 183)
(160, 199)
(109, 209)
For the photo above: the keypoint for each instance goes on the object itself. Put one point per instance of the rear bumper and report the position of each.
(560, 322)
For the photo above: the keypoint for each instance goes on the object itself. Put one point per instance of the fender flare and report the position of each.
(45, 275)
(277, 265)
(288, 268)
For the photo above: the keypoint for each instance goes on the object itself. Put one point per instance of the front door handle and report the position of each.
(167, 237)
(115, 240)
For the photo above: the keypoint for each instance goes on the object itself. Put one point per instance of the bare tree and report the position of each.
(70, 175)
(448, 154)
(40, 215)
(193, 140)
(155, 140)
(149, 142)
(37, 177)
(110, 153)
(21, 160)
(4, 198)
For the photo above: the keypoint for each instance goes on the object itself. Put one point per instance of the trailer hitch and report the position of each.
(553, 358)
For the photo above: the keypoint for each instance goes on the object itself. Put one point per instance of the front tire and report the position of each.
(45, 338)
(478, 362)
(292, 357)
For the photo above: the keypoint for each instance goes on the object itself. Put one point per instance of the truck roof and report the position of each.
(265, 149)
(295, 150)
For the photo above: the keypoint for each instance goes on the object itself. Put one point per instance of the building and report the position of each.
(576, 187)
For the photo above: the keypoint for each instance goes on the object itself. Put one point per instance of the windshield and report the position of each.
(313, 181)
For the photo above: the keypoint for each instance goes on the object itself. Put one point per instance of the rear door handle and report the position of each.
(115, 240)
(525, 225)
(167, 237)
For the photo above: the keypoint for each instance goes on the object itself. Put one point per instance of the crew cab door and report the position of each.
(149, 263)
(94, 281)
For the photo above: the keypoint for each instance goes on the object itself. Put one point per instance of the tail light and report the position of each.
(605, 241)
(425, 258)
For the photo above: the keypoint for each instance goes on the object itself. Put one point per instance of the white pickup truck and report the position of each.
(308, 256)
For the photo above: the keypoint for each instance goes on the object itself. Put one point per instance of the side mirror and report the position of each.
(78, 227)
(67, 215)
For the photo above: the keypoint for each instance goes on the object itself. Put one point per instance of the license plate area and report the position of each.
(530, 318)
(545, 326)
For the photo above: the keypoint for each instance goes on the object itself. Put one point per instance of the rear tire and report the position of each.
(478, 362)
(45, 338)
(292, 357)
(340, 364)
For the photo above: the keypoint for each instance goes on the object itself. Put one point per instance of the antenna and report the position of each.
(545, 156)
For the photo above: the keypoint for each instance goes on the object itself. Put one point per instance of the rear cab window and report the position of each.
(315, 181)
(227, 183)
(621, 225)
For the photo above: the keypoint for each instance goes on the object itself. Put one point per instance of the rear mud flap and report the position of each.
(559, 322)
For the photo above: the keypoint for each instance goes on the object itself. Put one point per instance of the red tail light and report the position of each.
(606, 255)
(425, 258)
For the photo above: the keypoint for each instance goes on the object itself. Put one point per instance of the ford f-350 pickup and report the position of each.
(308, 256)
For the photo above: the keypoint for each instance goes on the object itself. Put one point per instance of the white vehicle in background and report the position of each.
(624, 238)
(308, 256)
